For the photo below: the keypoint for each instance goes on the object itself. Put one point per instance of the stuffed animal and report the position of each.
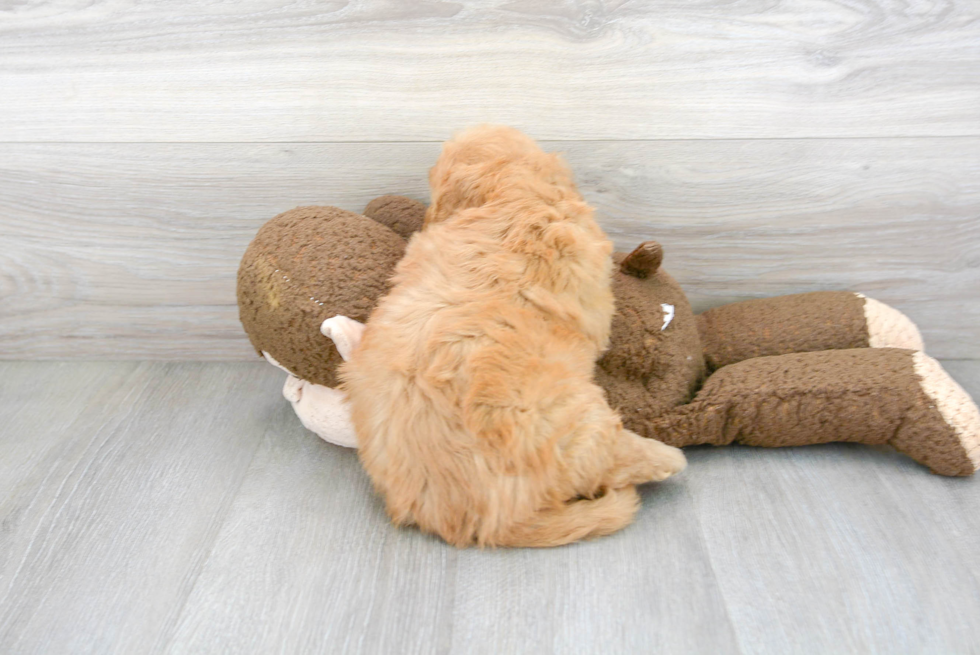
(308, 280)
(785, 371)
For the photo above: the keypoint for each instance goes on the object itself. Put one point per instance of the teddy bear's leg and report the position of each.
(868, 395)
(806, 322)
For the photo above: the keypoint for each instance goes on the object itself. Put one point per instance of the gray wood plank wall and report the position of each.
(773, 147)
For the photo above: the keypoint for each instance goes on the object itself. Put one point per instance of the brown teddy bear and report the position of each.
(786, 371)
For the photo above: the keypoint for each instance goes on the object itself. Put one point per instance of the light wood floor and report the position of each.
(182, 508)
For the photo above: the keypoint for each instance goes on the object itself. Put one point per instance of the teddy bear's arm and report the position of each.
(345, 333)
(867, 395)
(822, 320)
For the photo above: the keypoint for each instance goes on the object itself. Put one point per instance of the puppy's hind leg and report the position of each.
(639, 460)
(574, 520)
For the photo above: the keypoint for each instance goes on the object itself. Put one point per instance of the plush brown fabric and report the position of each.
(403, 215)
(643, 261)
(647, 370)
(806, 322)
(307, 265)
(865, 395)
(792, 370)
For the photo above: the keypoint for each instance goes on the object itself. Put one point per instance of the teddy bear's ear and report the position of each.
(401, 214)
(644, 260)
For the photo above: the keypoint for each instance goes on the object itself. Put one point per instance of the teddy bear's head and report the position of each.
(312, 263)
(654, 361)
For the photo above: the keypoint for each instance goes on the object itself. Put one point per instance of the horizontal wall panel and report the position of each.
(131, 250)
(377, 70)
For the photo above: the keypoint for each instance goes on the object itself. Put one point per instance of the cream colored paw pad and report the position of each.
(888, 327)
(953, 403)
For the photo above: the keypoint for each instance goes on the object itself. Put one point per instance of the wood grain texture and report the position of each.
(308, 563)
(840, 549)
(181, 508)
(804, 537)
(623, 594)
(31, 430)
(308, 544)
(265, 70)
(130, 250)
(106, 524)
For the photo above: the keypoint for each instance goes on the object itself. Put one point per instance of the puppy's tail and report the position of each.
(575, 520)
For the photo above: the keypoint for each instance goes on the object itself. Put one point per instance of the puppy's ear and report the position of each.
(458, 188)
(444, 195)
(445, 200)
(644, 260)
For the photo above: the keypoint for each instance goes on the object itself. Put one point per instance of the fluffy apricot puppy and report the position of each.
(471, 393)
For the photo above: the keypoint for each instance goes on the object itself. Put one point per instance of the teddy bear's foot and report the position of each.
(804, 322)
(945, 436)
(889, 328)
(874, 396)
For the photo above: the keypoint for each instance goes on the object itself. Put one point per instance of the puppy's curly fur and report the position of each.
(472, 393)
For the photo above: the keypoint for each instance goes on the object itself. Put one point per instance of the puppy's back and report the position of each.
(472, 392)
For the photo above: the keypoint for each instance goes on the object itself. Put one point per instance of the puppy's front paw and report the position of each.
(665, 460)
(640, 460)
